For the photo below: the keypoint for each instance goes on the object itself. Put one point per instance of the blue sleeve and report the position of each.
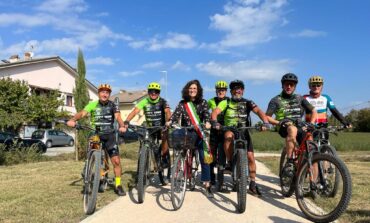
(330, 102)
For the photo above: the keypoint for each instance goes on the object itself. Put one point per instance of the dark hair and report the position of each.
(185, 91)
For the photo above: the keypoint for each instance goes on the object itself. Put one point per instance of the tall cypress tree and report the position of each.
(81, 96)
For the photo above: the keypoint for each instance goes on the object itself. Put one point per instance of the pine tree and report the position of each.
(81, 96)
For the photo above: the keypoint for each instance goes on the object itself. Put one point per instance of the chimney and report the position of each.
(27, 55)
(14, 58)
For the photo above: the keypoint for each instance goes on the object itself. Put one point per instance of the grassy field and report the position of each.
(359, 166)
(50, 191)
(344, 141)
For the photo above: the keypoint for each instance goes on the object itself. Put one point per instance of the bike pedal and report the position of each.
(110, 181)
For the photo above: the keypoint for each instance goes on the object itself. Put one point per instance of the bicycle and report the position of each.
(149, 152)
(321, 137)
(96, 168)
(239, 165)
(185, 165)
(314, 177)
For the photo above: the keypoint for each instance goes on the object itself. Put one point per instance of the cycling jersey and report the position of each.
(154, 111)
(102, 115)
(213, 103)
(288, 106)
(322, 104)
(237, 113)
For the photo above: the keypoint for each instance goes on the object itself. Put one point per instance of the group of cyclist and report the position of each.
(287, 107)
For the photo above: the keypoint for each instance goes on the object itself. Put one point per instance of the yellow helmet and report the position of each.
(106, 87)
(154, 86)
(315, 79)
(221, 84)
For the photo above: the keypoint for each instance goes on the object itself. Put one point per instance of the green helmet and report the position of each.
(221, 84)
(154, 86)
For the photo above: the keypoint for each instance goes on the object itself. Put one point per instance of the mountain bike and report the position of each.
(185, 165)
(239, 165)
(96, 168)
(321, 137)
(315, 175)
(150, 153)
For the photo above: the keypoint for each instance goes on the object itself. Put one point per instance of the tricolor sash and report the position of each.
(195, 121)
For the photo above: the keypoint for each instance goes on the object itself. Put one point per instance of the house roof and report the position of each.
(129, 97)
(47, 59)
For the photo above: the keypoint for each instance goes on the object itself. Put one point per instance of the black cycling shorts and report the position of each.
(283, 132)
(246, 136)
(109, 144)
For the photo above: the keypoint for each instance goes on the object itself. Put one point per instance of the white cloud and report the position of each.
(248, 22)
(152, 65)
(171, 41)
(64, 16)
(180, 66)
(63, 6)
(253, 70)
(309, 33)
(100, 61)
(130, 73)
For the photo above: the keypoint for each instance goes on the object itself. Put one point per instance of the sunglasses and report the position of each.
(315, 85)
(154, 91)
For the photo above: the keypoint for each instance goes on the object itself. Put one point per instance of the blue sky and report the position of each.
(129, 43)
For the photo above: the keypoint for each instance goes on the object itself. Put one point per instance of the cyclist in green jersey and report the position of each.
(289, 109)
(237, 113)
(157, 113)
(216, 137)
(103, 112)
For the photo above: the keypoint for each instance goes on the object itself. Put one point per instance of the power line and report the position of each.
(353, 106)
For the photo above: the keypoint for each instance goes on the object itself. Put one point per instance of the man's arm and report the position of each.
(132, 114)
(260, 114)
(215, 113)
(167, 113)
(76, 117)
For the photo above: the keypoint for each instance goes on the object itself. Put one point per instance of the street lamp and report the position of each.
(165, 79)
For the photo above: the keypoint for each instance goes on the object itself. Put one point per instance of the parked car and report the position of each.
(53, 137)
(12, 140)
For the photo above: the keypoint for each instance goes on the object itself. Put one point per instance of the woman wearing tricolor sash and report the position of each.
(193, 111)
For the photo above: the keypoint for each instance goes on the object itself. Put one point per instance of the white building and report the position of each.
(44, 74)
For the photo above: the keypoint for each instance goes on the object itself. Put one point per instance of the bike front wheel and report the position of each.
(241, 179)
(143, 174)
(91, 181)
(178, 180)
(315, 184)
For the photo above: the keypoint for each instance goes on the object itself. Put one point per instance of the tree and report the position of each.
(45, 108)
(13, 104)
(360, 119)
(81, 96)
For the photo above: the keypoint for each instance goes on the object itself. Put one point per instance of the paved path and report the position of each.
(157, 207)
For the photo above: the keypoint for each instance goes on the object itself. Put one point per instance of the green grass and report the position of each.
(344, 141)
(50, 191)
(359, 167)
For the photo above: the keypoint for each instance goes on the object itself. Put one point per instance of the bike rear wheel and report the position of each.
(91, 181)
(314, 197)
(286, 183)
(241, 179)
(143, 174)
(178, 180)
(328, 149)
(164, 173)
(194, 169)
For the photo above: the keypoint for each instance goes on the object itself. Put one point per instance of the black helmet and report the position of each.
(236, 83)
(289, 77)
